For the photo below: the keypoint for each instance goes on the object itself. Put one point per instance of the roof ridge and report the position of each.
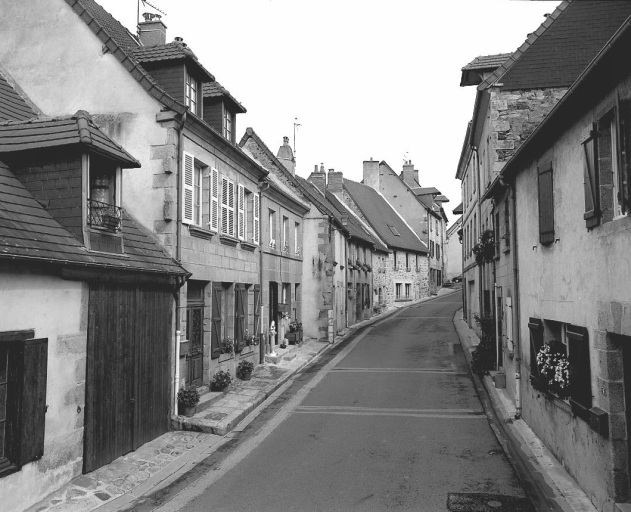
(530, 40)
(83, 122)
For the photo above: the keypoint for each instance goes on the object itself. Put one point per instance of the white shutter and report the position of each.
(224, 205)
(188, 177)
(256, 221)
(231, 226)
(214, 200)
(241, 214)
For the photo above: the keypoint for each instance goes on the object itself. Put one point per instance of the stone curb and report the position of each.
(553, 482)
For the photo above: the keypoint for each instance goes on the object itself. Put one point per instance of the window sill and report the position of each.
(225, 357)
(248, 246)
(198, 232)
(228, 240)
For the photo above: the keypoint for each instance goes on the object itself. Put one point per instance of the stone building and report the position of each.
(86, 294)
(404, 275)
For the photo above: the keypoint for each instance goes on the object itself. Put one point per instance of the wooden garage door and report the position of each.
(127, 380)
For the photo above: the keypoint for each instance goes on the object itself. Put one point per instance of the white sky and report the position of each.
(365, 78)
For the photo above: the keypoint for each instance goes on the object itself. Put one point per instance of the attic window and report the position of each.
(191, 93)
(394, 230)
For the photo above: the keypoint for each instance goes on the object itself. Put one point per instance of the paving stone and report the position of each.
(114, 491)
(102, 496)
(85, 482)
(74, 493)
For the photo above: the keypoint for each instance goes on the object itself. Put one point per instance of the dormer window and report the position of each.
(191, 93)
(104, 211)
(227, 124)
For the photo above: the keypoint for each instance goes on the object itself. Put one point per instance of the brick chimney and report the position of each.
(286, 156)
(409, 174)
(371, 174)
(336, 181)
(318, 178)
(152, 31)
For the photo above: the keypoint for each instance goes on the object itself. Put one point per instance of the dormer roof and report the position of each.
(46, 132)
(171, 52)
(216, 90)
(473, 73)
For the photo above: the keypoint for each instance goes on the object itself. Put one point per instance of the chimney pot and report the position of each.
(178, 39)
(152, 31)
(286, 141)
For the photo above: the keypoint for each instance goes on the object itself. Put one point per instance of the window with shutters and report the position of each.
(191, 190)
(272, 229)
(228, 222)
(240, 315)
(256, 218)
(546, 203)
(213, 179)
(23, 370)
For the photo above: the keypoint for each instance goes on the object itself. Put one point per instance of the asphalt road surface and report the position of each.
(389, 420)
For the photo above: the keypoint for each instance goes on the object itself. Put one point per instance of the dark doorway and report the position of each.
(273, 308)
(625, 343)
(195, 332)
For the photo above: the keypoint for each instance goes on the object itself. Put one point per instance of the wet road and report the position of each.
(391, 421)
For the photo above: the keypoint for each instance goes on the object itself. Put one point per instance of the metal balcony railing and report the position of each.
(103, 215)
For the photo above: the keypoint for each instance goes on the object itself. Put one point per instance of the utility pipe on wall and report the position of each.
(516, 306)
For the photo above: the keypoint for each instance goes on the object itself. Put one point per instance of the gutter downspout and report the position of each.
(516, 308)
(262, 186)
(178, 257)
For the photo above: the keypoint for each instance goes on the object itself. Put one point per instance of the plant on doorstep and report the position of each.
(221, 380)
(187, 399)
(483, 356)
(244, 370)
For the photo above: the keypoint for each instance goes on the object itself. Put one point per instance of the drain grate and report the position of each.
(481, 502)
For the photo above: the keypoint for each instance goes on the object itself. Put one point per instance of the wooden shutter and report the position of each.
(535, 327)
(231, 220)
(256, 219)
(546, 204)
(224, 205)
(241, 212)
(257, 310)
(214, 199)
(578, 355)
(590, 179)
(188, 171)
(33, 407)
(624, 150)
(215, 333)
(239, 316)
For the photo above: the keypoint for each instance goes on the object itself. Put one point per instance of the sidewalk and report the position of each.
(160, 462)
(554, 481)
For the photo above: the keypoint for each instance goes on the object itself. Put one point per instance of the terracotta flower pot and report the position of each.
(246, 375)
(187, 410)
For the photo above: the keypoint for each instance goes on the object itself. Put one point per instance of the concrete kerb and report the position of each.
(553, 483)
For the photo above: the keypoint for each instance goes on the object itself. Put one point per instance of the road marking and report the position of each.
(391, 412)
(399, 370)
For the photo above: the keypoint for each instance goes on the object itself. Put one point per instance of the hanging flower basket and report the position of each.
(485, 249)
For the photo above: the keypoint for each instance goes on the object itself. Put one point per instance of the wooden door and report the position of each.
(128, 370)
(195, 333)
(240, 315)
(215, 328)
(273, 308)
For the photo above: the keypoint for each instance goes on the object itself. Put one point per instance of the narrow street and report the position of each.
(390, 420)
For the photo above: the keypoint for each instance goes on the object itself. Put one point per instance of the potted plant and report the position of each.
(248, 338)
(227, 346)
(244, 369)
(221, 380)
(187, 399)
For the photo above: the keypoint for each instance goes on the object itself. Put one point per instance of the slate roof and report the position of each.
(28, 233)
(12, 106)
(458, 210)
(381, 216)
(16, 136)
(487, 61)
(562, 47)
(216, 90)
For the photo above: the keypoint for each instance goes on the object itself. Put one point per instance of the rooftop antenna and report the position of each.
(296, 124)
(145, 3)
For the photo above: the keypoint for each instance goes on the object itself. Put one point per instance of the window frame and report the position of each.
(545, 196)
(191, 88)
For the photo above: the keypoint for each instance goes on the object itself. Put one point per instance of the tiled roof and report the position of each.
(216, 90)
(562, 47)
(382, 217)
(12, 106)
(487, 62)
(421, 191)
(120, 43)
(175, 50)
(18, 136)
(28, 232)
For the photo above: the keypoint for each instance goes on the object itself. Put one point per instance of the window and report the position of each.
(214, 200)
(395, 259)
(507, 223)
(438, 251)
(227, 207)
(256, 209)
(606, 167)
(496, 233)
(104, 210)
(394, 230)
(227, 124)
(408, 290)
(407, 261)
(191, 93)
(23, 369)
(297, 238)
(240, 315)
(192, 190)
(546, 203)
(285, 234)
(431, 249)
(272, 229)
(398, 290)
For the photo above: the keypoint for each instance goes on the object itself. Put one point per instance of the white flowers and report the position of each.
(555, 370)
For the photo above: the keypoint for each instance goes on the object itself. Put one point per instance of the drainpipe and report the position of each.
(178, 257)
(262, 186)
(516, 308)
